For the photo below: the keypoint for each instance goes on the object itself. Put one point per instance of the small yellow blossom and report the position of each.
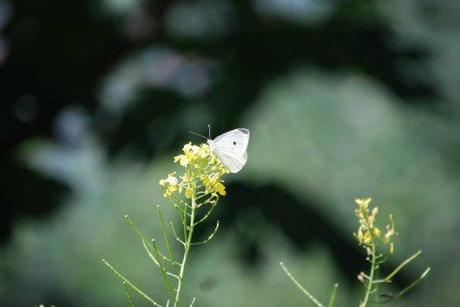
(220, 188)
(390, 232)
(188, 192)
(170, 185)
(213, 185)
(368, 233)
(203, 173)
(363, 202)
(183, 160)
(367, 238)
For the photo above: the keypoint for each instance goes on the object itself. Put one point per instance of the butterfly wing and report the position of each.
(235, 141)
(232, 162)
(231, 147)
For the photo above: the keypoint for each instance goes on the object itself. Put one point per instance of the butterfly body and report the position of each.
(230, 148)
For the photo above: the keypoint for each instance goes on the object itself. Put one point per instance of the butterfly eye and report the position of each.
(234, 143)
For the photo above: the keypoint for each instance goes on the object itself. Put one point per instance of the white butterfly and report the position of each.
(230, 148)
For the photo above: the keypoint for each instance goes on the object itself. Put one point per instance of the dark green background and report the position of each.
(344, 99)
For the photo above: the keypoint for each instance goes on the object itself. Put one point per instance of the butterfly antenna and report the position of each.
(209, 131)
(200, 135)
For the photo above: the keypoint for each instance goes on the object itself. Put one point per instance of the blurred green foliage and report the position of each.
(343, 98)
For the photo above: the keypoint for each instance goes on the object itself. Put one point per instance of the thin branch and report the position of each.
(370, 284)
(165, 235)
(298, 285)
(128, 295)
(333, 295)
(162, 269)
(146, 248)
(145, 243)
(181, 211)
(172, 275)
(209, 237)
(402, 265)
(184, 223)
(206, 215)
(203, 194)
(124, 279)
(209, 200)
(413, 284)
(175, 234)
(187, 246)
(155, 258)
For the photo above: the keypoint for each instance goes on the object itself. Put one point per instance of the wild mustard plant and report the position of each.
(374, 241)
(193, 194)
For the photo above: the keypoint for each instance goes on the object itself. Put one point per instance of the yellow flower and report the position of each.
(188, 193)
(170, 180)
(213, 185)
(373, 215)
(367, 231)
(376, 232)
(363, 202)
(390, 232)
(190, 149)
(170, 185)
(367, 239)
(220, 188)
(183, 160)
(203, 173)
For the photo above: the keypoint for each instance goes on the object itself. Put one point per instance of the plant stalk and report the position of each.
(371, 277)
(298, 285)
(188, 244)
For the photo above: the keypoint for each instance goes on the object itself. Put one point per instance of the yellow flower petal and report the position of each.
(220, 188)
(363, 202)
(188, 192)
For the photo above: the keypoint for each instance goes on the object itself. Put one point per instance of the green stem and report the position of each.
(413, 284)
(162, 268)
(371, 277)
(187, 245)
(402, 265)
(125, 280)
(333, 295)
(165, 234)
(128, 296)
(298, 285)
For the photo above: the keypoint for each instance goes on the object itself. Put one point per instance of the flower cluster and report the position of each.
(202, 175)
(368, 233)
(370, 237)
